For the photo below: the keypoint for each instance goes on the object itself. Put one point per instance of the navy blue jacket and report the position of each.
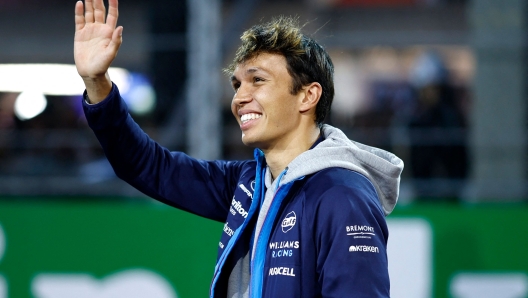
(324, 234)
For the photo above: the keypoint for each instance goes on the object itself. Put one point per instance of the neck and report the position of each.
(278, 157)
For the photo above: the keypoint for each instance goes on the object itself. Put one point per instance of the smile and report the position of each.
(251, 116)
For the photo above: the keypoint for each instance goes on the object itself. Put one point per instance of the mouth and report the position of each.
(248, 117)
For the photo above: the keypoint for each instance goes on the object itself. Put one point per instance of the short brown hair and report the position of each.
(307, 61)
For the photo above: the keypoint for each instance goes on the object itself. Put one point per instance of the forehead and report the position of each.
(272, 64)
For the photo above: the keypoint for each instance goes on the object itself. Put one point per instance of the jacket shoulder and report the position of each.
(326, 179)
(334, 186)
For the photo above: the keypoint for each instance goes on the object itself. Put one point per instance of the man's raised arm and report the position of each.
(96, 44)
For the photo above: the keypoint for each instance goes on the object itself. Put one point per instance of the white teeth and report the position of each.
(250, 116)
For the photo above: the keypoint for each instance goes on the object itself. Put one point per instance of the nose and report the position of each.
(242, 96)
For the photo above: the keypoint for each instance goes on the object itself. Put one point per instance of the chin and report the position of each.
(250, 141)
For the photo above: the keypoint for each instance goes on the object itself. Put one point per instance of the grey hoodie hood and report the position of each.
(382, 168)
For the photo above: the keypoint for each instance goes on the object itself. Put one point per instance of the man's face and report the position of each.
(267, 112)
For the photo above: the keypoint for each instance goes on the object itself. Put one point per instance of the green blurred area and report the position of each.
(473, 238)
(103, 238)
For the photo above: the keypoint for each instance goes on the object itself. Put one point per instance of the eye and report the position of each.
(258, 79)
(236, 86)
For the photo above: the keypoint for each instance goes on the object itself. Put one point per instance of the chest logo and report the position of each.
(289, 222)
(359, 231)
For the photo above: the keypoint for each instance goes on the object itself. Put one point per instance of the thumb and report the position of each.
(117, 39)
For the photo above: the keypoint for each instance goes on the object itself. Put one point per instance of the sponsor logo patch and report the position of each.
(228, 230)
(236, 206)
(244, 188)
(363, 248)
(281, 271)
(360, 231)
(288, 222)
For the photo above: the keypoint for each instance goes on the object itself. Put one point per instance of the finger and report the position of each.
(79, 16)
(88, 13)
(113, 13)
(117, 39)
(99, 11)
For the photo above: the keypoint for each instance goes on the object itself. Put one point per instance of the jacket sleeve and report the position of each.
(201, 187)
(351, 240)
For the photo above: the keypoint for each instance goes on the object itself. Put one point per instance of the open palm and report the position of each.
(96, 41)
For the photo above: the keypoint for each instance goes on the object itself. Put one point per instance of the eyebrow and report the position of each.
(249, 71)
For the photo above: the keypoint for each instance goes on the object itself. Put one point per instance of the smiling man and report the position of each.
(306, 217)
(273, 117)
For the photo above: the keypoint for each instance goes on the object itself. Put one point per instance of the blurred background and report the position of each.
(441, 83)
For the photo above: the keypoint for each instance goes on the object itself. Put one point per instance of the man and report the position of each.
(306, 217)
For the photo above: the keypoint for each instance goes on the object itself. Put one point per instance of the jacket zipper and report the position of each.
(252, 266)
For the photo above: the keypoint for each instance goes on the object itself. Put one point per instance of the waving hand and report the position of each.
(96, 44)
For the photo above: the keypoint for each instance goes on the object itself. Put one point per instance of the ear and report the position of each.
(312, 94)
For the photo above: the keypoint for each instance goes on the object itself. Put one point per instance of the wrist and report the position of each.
(97, 88)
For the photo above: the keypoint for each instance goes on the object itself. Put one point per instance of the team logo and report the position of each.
(289, 222)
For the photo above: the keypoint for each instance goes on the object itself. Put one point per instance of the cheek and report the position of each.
(233, 109)
(288, 105)
(283, 115)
